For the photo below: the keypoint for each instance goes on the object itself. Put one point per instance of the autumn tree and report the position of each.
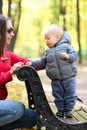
(15, 14)
(0, 6)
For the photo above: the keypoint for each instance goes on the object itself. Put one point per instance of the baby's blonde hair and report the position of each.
(54, 29)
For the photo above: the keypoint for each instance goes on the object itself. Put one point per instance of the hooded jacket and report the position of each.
(56, 67)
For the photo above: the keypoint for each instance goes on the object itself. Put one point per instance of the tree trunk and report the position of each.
(11, 46)
(1, 4)
(78, 32)
(9, 8)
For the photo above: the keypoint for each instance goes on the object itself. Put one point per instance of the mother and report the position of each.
(13, 114)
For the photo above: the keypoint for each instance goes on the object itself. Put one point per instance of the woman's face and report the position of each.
(9, 32)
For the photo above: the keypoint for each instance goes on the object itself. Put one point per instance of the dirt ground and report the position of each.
(81, 83)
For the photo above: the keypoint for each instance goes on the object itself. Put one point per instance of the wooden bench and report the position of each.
(46, 118)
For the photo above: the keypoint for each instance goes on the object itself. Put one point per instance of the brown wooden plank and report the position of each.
(85, 109)
(79, 113)
(78, 117)
(70, 120)
(83, 114)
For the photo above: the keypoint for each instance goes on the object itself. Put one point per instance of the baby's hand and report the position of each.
(64, 55)
(29, 63)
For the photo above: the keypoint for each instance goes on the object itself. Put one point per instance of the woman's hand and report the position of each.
(15, 67)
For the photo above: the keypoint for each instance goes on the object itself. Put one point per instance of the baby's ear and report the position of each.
(58, 36)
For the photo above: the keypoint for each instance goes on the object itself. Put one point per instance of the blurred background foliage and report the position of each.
(31, 16)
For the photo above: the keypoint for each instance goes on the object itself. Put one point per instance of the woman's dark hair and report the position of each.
(3, 28)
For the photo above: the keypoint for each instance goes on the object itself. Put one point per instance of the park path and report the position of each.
(81, 83)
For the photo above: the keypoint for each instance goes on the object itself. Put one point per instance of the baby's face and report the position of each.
(51, 39)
